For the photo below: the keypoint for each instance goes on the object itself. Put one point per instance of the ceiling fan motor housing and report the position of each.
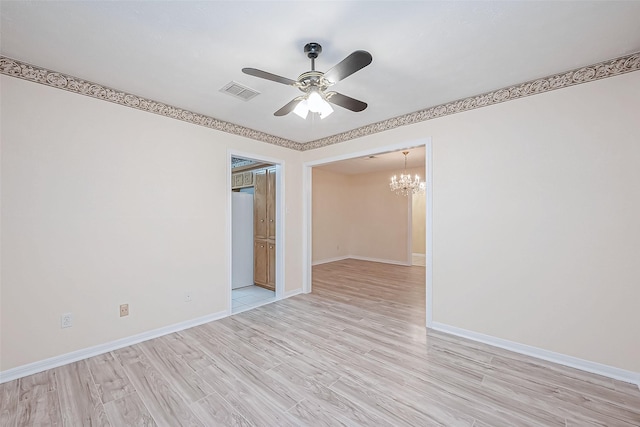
(312, 78)
(312, 50)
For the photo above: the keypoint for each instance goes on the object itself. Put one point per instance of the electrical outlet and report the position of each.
(66, 320)
(124, 310)
(188, 296)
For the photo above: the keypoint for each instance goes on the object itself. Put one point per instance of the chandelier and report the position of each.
(406, 185)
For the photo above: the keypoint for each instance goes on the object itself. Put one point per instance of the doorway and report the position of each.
(308, 218)
(254, 233)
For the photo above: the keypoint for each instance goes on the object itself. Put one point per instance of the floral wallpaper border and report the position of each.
(590, 73)
(15, 68)
(605, 69)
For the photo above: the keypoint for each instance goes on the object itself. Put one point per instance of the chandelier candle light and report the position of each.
(405, 185)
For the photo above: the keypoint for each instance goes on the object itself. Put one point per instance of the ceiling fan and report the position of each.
(315, 83)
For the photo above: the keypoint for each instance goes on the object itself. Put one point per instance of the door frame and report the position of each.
(307, 220)
(280, 213)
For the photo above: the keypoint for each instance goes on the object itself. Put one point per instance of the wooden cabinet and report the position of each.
(260, 263)
(236, 180)
(264, 264)
(241, 180)
(271, 266)
(260, 205)
(271, 204)
(264, 231)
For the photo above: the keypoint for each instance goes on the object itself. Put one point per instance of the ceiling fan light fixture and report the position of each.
(315, 100)
(318, 104)
(314, 83)
(326, 110)
(302, 109)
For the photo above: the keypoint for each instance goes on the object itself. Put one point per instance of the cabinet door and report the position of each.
(247, 179)
(271, 274)
(236, 180)
(260, 205)
(271, 204)
(260, 262)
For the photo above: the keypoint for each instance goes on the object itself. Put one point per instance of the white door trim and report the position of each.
(428, 172)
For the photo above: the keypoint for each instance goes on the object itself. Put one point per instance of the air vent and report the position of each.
(239, 91)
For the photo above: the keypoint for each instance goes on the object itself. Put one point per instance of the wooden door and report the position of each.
(260, 222)
(271, 204)
(271, 270)
(260, 263)
(264, 220)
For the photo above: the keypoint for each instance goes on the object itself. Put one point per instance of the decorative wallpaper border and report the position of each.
(602, 70)
(590, 73)
(15, 68)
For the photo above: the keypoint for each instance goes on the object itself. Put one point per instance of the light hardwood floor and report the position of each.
(354, 352)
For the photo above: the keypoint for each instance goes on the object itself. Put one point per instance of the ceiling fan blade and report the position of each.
(345, 101)
(349, 65)
(269, 76)
(289, 107)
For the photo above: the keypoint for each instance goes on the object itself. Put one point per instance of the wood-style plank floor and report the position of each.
(354, 352)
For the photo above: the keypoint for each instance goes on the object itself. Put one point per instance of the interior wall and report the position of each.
(418, 222)
(104, 205)
(358, 214)
(331, 212)
(380, 219)
(535, 207)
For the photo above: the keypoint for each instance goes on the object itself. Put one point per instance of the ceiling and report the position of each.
(389, 161)
(425, 53)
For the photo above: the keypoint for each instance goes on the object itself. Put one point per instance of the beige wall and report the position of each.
(536, 237)
(380, 227)
(361, 214)
(418, 222)
(331, 213)
(104, 205)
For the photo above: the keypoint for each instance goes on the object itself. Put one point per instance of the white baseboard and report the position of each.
(384, 261)
(328, 260)
(419, 259)
(361, 258)
(74, 356)
(292, 293)
(562, 359)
